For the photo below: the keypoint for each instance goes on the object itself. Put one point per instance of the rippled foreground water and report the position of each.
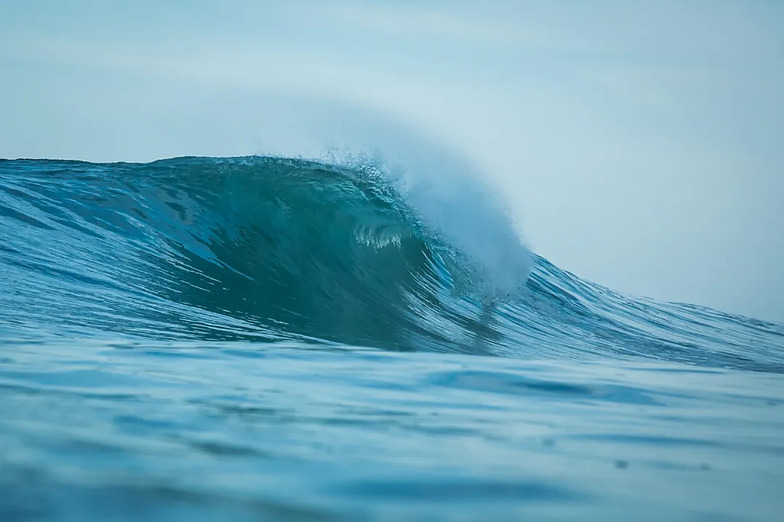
(284, 432)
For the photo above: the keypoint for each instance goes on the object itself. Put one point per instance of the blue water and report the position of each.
(278, 339)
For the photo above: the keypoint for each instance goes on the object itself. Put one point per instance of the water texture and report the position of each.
(278, 339)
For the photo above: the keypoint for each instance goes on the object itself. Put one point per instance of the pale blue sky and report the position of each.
(638, 143)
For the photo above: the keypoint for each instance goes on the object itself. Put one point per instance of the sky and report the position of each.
(639, 144)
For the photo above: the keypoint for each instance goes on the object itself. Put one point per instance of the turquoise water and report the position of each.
(276, 339)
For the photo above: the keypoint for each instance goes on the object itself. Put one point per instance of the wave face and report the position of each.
(271, 249)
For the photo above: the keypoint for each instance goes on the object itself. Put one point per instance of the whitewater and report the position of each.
(273, 338)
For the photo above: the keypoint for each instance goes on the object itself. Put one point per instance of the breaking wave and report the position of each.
(275, 249)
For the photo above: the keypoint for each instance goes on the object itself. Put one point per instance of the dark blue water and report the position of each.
(275, 339)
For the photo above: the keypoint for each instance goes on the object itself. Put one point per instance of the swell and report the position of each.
(273, 249)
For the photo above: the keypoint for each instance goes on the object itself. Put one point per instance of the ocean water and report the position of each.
(278, 339)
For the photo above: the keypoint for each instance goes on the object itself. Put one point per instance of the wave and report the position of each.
(276, 249)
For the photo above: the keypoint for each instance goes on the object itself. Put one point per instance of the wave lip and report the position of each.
(276, 248)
